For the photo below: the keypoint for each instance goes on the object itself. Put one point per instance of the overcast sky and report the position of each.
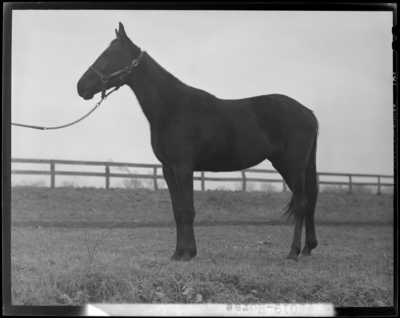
(338, 64)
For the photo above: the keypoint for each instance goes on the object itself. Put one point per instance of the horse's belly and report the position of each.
(233, 157)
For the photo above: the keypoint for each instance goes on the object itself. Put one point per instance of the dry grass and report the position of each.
(352, 266)
(65, 250)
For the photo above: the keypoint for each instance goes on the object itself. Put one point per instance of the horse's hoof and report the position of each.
(188, 255)
(306, 251)
(186, 258)
(176, 256)
(293, 257)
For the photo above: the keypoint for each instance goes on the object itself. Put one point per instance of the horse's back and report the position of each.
(282, 116)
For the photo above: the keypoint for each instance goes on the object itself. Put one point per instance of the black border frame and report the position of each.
(9, 7)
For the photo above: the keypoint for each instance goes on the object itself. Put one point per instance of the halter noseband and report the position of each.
(105, 78)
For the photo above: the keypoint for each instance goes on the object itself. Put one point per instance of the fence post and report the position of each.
(52, 174)
(244, 181)
(379, 185)
(203, 186)
(107, 176)
(155, 178)
(350, 184)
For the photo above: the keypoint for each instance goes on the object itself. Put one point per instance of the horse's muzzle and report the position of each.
(84, 90)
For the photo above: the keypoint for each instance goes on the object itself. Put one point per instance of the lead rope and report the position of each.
(70, 124)
(127, 69)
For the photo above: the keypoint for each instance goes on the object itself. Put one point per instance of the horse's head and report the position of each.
(111, 68)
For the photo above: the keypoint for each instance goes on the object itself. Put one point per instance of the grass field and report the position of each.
(74, 246)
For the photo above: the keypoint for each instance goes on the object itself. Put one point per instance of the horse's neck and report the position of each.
(157, 90)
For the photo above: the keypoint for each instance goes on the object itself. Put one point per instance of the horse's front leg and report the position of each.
(169, 176)
(184, 183)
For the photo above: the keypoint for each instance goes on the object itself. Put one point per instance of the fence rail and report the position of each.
(245, 179)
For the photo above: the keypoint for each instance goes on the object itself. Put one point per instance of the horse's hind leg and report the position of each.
(296, 168)
(279, 164)
(311, 193)
(311, 240)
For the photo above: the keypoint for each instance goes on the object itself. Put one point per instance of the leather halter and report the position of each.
(105, 78)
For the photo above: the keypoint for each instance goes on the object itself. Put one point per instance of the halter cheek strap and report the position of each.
(105, 78)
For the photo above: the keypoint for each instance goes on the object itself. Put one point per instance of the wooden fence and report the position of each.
(245, 179)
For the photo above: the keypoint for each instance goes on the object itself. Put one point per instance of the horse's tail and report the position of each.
(288, 212)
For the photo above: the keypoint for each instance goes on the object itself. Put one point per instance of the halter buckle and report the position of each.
(135, 62)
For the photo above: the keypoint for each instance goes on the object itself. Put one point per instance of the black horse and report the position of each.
(192, 130)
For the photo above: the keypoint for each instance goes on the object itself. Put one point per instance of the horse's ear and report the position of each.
(121, 32)
(116, 33)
